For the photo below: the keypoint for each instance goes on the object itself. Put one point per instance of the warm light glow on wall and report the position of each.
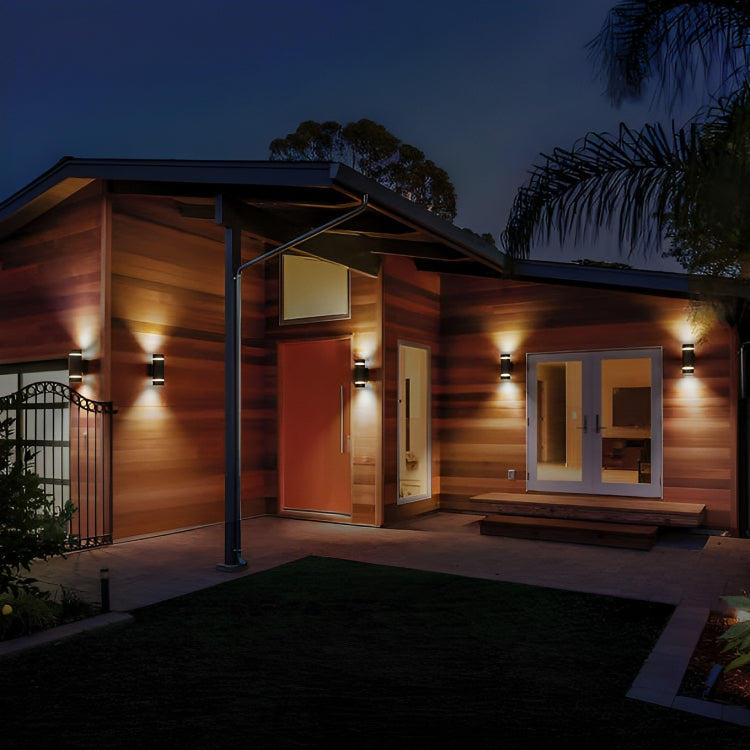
(86, 336)
(509, 390)
(690, 390)
(151, 398)
(149, 341)
(507, 341)
(364, 346)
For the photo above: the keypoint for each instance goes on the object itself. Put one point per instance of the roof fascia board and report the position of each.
(635, 279)
(176, 171)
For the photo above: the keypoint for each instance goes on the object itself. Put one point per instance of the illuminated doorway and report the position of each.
(595, 422)
(414, 445)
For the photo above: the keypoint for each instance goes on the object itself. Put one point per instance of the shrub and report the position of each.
(31, 526)
(31, 611)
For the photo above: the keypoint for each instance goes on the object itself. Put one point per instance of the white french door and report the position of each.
(595, 422)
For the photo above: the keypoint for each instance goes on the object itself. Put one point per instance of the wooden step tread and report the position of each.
(648, 511)
(590, 502)
(631, 536)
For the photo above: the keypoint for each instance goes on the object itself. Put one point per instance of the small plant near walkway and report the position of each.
(736, 638)
(31, 528)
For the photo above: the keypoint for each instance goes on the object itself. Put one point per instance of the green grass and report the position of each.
(335, 654)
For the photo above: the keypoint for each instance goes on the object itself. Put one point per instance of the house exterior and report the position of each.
(266, 286)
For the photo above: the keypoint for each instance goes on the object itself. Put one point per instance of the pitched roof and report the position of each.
(276, 200)
(281, 200)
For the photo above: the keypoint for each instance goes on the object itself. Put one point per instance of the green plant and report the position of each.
(31, 611)
(737, 636)
(31, 526)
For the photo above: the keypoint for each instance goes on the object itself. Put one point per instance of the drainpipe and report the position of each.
(233, 268)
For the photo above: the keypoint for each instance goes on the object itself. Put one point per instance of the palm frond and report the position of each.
(672, 41)
(624, 183)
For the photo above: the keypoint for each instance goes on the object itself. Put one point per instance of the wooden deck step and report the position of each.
(630, 536)
(625, 510)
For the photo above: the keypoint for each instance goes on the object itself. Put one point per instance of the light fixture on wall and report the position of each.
(77, 366)
(688, 359)
(361, 373)
(156, 369)
(506, 367)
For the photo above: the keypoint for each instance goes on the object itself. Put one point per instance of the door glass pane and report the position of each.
(560, 422)
(626, 421)
(414, 423)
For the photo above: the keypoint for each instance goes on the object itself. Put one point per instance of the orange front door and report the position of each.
(315, 381)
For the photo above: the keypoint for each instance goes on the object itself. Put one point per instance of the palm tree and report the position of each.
(652, 184)
(673, 41)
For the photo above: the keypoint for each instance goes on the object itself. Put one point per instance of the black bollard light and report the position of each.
(104, 581)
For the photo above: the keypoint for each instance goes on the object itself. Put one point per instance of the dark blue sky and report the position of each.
(481, 86)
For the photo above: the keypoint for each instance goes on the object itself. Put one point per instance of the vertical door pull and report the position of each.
(341, 419)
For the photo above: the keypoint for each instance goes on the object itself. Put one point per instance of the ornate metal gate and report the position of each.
(70, 437)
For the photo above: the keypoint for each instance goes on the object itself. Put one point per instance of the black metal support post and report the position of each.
(232, 398)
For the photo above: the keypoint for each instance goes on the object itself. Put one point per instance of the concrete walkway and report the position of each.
(691, 576)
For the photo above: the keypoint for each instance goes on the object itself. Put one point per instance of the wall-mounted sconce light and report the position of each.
(506, 367)
(688, 359)
(77, 366)
(156, 369)
(361, 373)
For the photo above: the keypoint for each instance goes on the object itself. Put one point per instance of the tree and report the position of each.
(375, 152)
(672, 41)
(710, 223)
(651, 185)
(31, 527)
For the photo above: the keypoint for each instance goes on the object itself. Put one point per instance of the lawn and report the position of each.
(336, 654)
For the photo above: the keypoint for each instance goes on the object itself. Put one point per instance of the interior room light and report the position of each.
(361, 373)
(77, 366)
(506, 367)
(688, 359)
(156, 369)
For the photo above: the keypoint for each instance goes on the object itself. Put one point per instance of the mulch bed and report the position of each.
(731, 688)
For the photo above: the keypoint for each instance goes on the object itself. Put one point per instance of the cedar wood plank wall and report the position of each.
(167, 296)
(483, 422)
(50, 285)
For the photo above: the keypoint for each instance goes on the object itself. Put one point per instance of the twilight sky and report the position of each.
(481, 86)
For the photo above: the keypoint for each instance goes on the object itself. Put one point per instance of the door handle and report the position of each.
(598, 426)
(341, 419)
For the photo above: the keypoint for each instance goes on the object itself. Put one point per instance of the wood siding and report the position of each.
(483, 422)
(168, 297)
(124, 276)
(50, 275)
